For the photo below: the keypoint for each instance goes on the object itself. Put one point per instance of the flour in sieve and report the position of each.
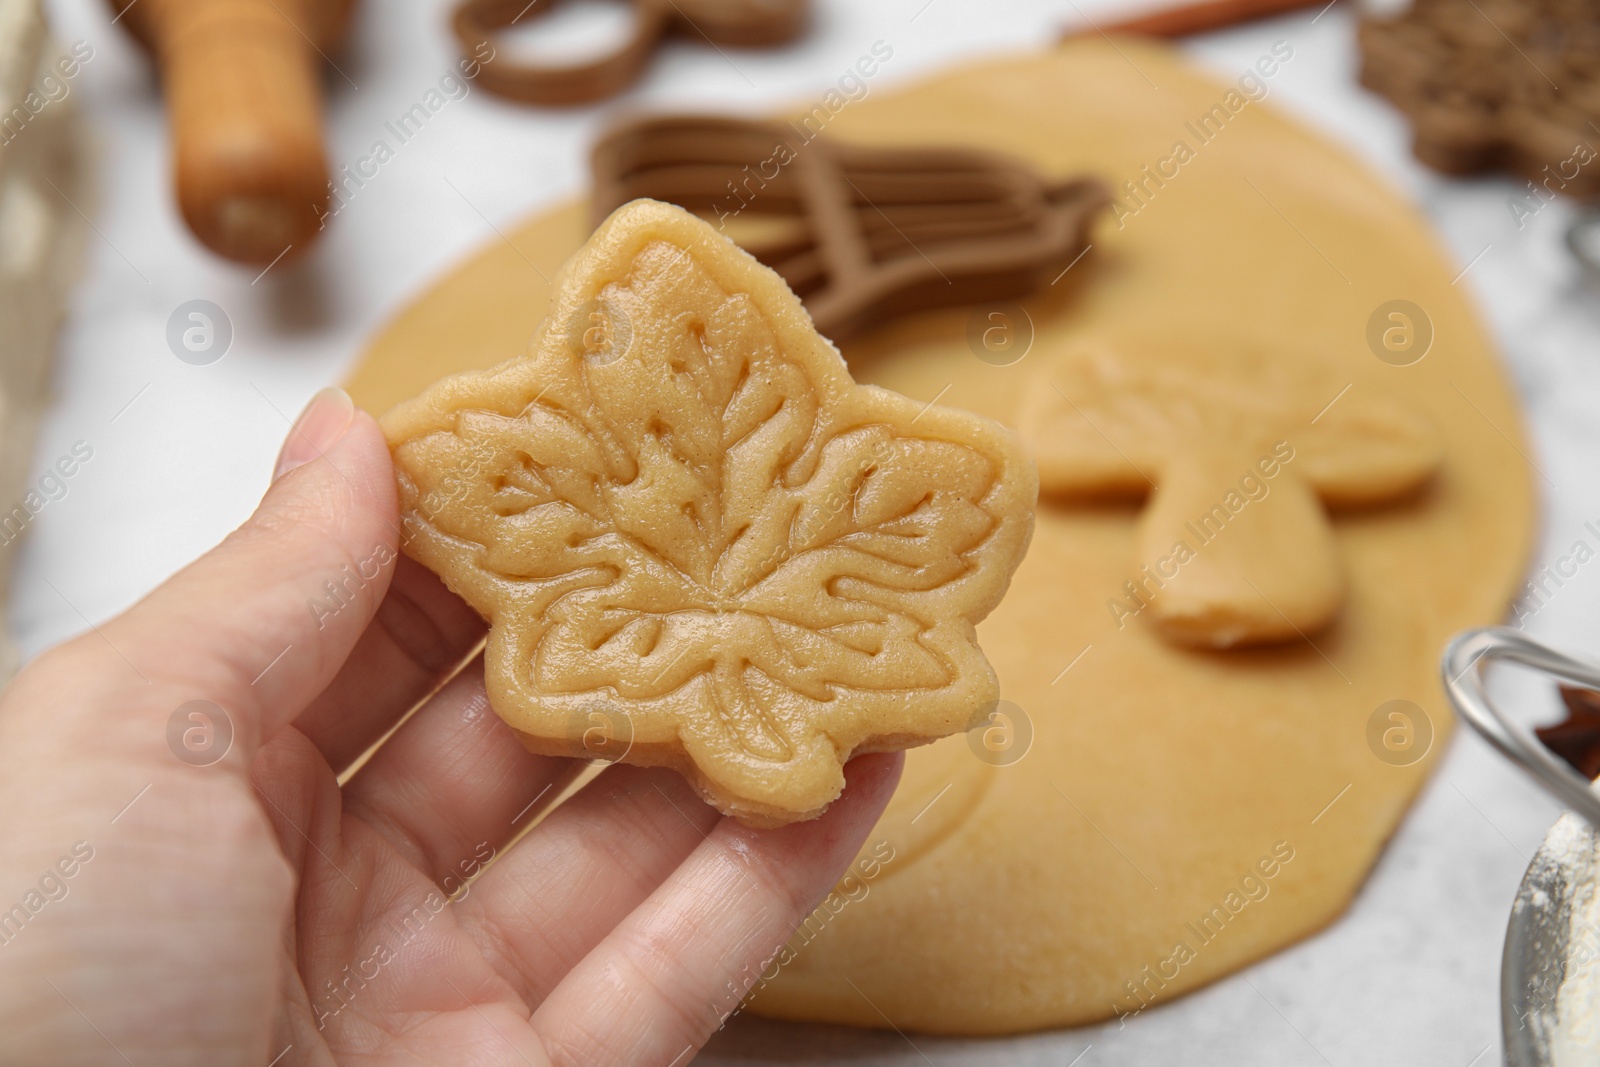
(1575, 1039)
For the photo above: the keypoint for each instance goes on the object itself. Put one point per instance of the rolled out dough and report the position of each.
(1180, 813)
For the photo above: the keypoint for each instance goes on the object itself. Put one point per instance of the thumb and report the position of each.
(261, 623)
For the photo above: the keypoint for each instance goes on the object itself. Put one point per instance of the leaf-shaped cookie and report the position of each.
(687, 524)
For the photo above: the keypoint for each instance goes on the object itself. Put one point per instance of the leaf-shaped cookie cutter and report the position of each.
(876, 232)
(1463, 683)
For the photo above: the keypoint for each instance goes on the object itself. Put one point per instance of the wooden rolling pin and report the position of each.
(243, 98)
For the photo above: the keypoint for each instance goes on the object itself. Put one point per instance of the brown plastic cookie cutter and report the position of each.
(860, 234)
(241, 81)
(739, 23)
(1495, 85)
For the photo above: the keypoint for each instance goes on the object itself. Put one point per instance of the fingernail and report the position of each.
(319, 427)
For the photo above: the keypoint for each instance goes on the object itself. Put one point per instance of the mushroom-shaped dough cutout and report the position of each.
(1240, 462)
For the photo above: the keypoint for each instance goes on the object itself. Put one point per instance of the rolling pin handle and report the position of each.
(242, 94)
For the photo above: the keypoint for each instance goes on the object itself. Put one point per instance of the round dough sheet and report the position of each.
(1179, 812)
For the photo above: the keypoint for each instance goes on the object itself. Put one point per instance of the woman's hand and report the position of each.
(183, 879)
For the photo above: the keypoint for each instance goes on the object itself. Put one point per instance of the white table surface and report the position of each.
(181, 453)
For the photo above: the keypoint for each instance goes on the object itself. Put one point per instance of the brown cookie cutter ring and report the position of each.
(872, 232)
(739, 23)
(1479, 84)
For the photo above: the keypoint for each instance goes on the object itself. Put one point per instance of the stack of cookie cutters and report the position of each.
(1536, 954)
(871, 232)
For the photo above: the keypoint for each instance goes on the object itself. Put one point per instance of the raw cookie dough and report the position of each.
(1162, 783)
(1209, 435)
(698, 542)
